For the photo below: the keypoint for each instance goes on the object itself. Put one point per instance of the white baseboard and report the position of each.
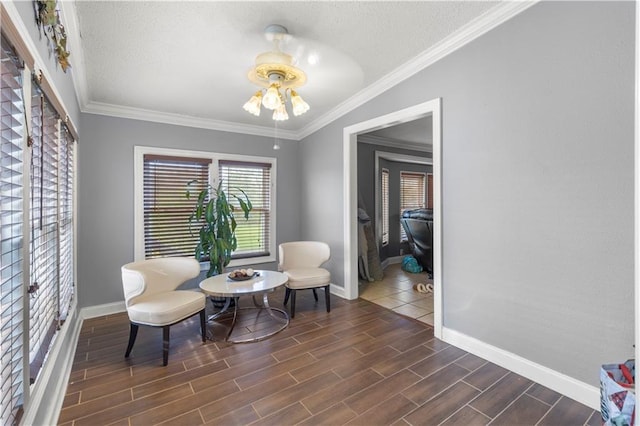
(118, 307)
(100, 310)
(586, 394)
(48, 392)
(391, 261)
(338, 291)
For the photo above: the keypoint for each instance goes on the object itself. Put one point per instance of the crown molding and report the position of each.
(395, 143)
(474, 29)
(184, 120)
(70, 17)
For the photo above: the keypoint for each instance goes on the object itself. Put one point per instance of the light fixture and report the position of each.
(275, 72)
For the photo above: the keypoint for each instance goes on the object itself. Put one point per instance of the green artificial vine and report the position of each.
(48, 19)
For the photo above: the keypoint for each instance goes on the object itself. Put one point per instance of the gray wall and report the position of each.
(106, 192)
(538, 201)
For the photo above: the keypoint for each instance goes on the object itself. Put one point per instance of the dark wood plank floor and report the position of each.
(359, 365)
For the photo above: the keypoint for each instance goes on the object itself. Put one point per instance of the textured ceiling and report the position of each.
(191, 58)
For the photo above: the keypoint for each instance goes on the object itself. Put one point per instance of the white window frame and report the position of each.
(138, 227)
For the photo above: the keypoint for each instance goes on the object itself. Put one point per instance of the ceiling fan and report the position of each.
(276, 73)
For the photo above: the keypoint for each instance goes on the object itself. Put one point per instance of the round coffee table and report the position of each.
(264, 282)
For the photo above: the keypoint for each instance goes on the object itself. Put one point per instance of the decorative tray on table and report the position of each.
(242, 274)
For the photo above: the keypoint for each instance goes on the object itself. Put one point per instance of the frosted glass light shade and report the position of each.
(280, 113)
(271, 99)
(298, 104)
(253, 105)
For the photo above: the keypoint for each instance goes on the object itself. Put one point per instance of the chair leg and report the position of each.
(315, 294)
(165, 345)
(327, 294)
(203, 325)
(287, 293)
(133, 333)
(293, 303)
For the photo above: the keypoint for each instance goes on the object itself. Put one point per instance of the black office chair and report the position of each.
(418, 224)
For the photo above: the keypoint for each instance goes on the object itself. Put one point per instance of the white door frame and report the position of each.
(350, 191)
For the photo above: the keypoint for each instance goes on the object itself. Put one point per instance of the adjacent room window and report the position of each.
(430, 190)
(162, 209)
(412, 194)
(384, 187)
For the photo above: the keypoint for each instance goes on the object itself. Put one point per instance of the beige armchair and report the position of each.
(152, 299)
(301, 261)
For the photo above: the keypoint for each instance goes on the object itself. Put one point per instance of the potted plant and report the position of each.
(215, 216)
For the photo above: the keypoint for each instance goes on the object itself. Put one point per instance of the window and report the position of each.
(385, 206)
(412, 194)
(162, 210)
(37, 230)
(255, 180)
(12, 237)
(51, 285)
(166, 209)
(66, 222)
(44, 233)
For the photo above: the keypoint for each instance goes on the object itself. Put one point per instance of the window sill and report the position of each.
(204, 266)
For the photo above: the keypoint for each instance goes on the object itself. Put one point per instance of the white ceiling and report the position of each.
(187, 61)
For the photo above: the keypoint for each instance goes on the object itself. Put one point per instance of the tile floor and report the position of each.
(396, 292)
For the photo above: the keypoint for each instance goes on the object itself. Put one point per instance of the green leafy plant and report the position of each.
(214, 216)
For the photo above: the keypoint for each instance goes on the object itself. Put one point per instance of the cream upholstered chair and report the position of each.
(301, 261)
(152, 299)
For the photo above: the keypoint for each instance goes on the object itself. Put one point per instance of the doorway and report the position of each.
(431, 108)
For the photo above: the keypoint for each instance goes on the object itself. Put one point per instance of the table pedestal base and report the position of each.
(276, 314)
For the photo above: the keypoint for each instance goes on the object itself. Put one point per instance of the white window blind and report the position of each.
(255, 180)
(11, 237)
(412, 194)
(163, 211)
(385, 206)
(37, 170)
(66, 208)
(43, 311)
(166, 208)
